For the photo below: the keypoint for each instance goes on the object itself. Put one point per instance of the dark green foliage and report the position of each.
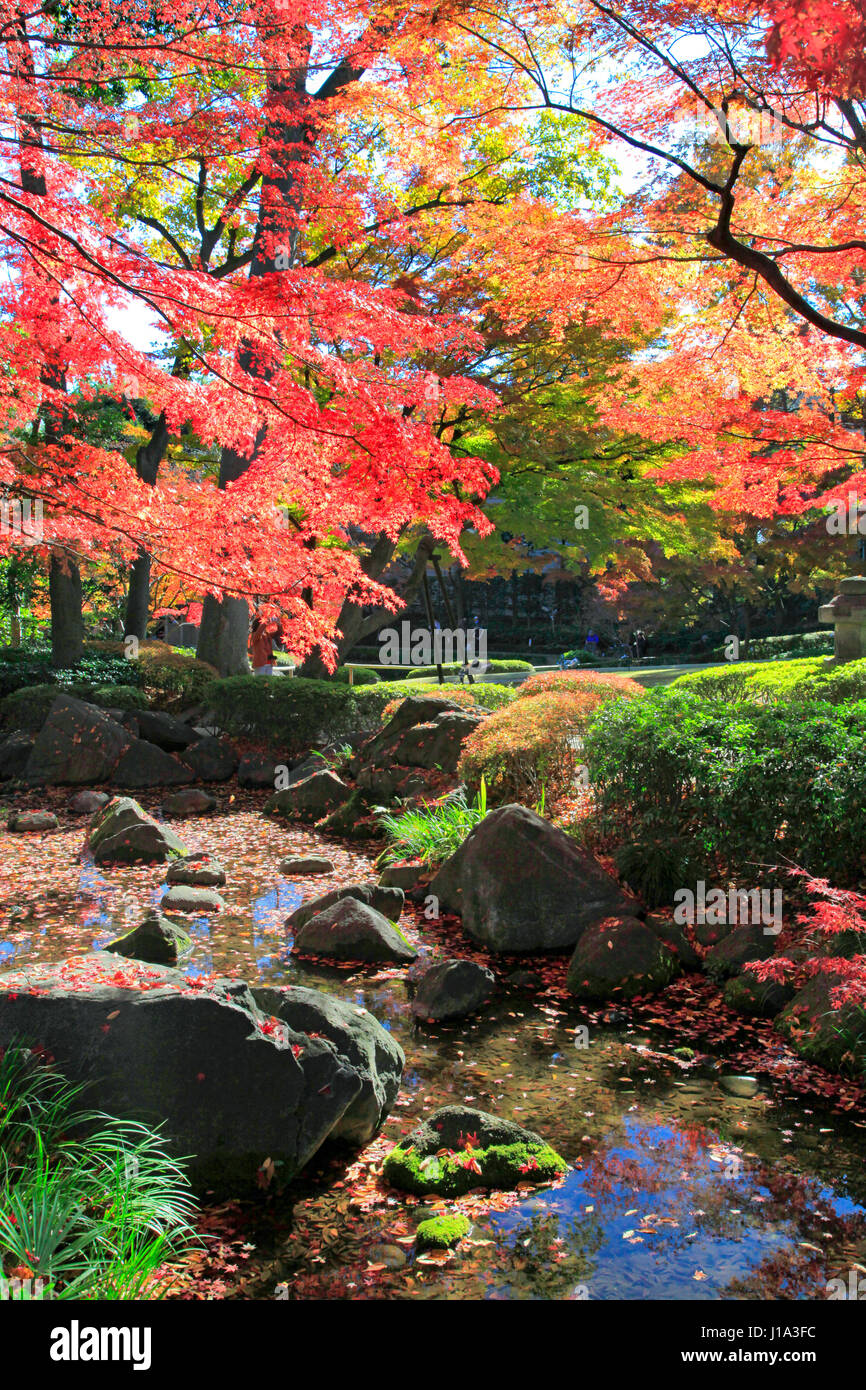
(730, 788)
(361, 675)
(287, 713)
(119, 697)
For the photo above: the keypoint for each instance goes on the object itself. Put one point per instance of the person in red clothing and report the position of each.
(262, 635)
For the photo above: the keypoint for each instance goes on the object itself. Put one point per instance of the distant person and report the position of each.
(640, 644)
(261, 644)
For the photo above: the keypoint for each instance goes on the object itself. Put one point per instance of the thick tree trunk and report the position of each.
(67, 623)
(224, 634)
(147, 462)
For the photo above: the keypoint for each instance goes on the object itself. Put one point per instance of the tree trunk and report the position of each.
(147, 461)
(224, 635)
(67, 623)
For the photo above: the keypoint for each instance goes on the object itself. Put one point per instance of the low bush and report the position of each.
(361, 675)
(20, 669)
(171, 679)
(602, 685)
(478, 696)
(119, 697)
(287, 713)
(765, 683)
(718, 789)
(530, 751)
(27, 709)
(793, 644)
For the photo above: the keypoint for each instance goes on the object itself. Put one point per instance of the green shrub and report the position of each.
(19, 670)
(729, 787)
(119, 697)
(171, 678)
(287, 713)
(27, 709)
(361, 675)
(767, 683)
(379, 703)
(793, 644)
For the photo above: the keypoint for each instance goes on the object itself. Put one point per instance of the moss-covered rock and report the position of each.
(459, 1149)
(441, 1232)
(832, 1038)
(748, 995)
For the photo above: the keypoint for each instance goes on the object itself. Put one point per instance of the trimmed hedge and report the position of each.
(453, 668)
(289, 713)
(361, 675)
(119, 697)
(688, 789)
(766, 683)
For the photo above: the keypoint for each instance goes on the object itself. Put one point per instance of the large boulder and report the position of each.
(310, 798)
(388, 901)
(834, 1038)
(350, 930)
(233, 1089)
(15, 753)
(359, 1038)
(211, 759)
(459, 1148)
(423, 732)
(521, 884)
(122, 832)
(619, 959)
(144, 765)
(452, 989)
(155, 939)
(78, 745)
(164, 730)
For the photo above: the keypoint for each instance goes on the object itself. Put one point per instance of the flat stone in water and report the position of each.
(389, 1255)
(743, 1087)
(199, 870)
(185, 898)
(28, 822)
(307, 864)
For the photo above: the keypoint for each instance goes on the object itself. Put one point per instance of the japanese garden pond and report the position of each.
(678, 1190)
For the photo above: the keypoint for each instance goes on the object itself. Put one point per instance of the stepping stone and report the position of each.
(156, 940)
(313, 864)
(184, 897)
(22, 822)
(199, 870)
(452, 989)
(350, 930)
(744, 1087)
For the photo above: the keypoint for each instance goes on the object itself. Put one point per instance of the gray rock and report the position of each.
(185, 897)
(86, 803)
(521, 884)
(228, 1091)
(388, 901)
(78, 744)
(619, 959)
(452, 989)
(164, 730)
(144, 765)
(15, 753)
(211, 759)
(257, 772)
(672, 935)
(310, 798)
(746, 994)
(309, 864)
(403, 876)
(122, 832)
(198, 870)
(24, 822)
(155, 939)
(820, 1032)
(417, 709)
(193, 801)
(360, 1040)
(350, 930)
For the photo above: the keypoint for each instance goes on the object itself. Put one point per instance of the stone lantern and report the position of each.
(847, 613)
